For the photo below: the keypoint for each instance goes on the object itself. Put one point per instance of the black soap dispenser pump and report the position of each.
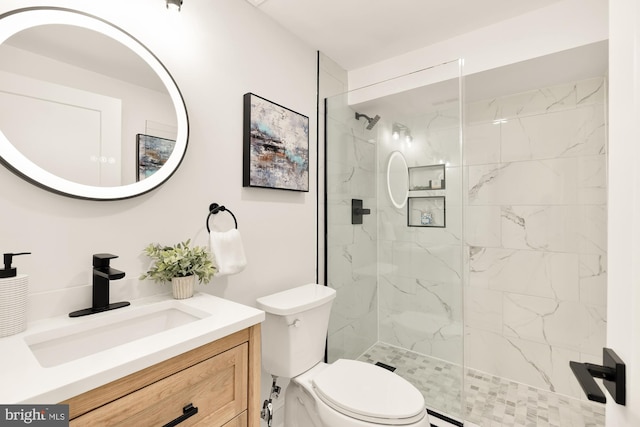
(9, 271)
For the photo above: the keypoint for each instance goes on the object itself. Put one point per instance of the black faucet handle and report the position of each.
(102, 260)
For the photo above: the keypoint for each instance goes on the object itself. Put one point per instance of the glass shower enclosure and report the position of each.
(393, 242)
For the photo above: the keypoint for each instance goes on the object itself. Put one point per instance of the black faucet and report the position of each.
(102, 274)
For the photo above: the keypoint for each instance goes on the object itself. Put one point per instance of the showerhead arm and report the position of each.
(358, 115)
(371, 122)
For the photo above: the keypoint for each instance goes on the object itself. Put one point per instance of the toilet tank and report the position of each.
(295, 329)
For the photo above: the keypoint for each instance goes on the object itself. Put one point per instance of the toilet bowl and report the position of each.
(348, 393)
(345, 393)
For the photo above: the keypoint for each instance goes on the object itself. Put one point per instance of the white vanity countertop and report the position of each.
(24, 380)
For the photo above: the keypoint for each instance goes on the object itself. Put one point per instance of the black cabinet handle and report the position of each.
(187, 411)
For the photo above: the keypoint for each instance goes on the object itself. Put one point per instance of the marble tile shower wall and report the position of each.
(421, 268)
(351, 249)
(535, 226)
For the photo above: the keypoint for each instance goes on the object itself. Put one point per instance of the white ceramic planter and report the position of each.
(183, 287)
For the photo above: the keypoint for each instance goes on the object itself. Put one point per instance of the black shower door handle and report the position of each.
(612, 372)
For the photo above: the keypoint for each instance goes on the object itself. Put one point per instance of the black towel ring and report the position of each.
(214, 208)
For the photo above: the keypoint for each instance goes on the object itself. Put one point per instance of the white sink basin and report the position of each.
(103, 331)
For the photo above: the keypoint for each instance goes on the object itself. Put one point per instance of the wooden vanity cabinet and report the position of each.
(221, 379)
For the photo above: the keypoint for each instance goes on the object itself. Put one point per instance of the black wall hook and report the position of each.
(214, 208)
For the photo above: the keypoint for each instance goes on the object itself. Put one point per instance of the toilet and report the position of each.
(345, 393)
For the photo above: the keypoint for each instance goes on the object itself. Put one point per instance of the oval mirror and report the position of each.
(86, 110)
(397, 179)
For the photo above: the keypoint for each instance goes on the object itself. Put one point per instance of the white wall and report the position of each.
(216, 52)
(623, 295)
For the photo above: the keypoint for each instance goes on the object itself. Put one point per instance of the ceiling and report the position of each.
(356, 33)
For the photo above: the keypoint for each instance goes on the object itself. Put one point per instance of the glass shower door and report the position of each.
(398, 268)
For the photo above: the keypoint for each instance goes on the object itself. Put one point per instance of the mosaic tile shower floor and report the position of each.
(489, 401)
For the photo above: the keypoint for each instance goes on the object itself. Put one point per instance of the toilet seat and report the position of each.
(369, 393)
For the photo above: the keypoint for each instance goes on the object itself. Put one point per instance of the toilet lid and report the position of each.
(369, 393)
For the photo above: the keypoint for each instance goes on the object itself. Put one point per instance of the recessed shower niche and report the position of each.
(430, 177)
(426, 211)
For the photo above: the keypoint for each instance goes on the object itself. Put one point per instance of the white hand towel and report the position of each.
(227, 251)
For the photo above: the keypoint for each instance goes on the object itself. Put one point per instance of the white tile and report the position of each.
(592, 180)
(580, 229)
(485, 111)
(548, 182)
(549, 228)
(483, 226)
(483, 309)
(593, 280)
(592, 221)
(564, 325)
(543, 274)
(436, 236)
(569, 133)
(353, 339)
(482, 144)
(525, 316)
(596, 331)
(437, 146)
(425, 333)
(524, 361)
(441, 263)
(591, 91)
(363, 260)
(554, 98)
(485, 351)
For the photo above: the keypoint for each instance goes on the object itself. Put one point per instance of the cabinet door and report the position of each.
(216, 386)
(239, 421)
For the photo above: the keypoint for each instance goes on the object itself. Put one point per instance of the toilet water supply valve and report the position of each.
(267, 407)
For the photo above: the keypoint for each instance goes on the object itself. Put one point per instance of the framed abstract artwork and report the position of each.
(276, 146)
(153, 152)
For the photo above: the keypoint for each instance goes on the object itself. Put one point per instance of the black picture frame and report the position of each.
(275, 146)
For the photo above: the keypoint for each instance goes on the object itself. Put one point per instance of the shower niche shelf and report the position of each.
(428, 211)
(430, 177)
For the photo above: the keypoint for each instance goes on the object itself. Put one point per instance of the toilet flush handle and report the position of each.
(296, 323)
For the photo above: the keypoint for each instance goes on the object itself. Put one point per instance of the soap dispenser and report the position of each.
(13, 297)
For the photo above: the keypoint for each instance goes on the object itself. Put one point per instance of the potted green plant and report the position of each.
(179, 264)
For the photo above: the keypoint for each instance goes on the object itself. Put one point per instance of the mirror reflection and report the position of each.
(75, 108)
(397, 179)
(84, 103)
